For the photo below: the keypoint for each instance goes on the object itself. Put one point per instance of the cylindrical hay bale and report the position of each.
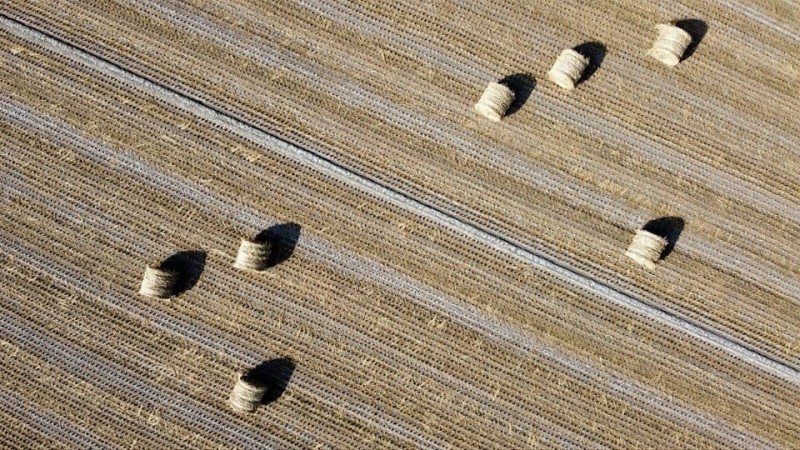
(646, 248)
(568, 69)
(253, 255)
(247, 394)
(670, 44)
(158, 282)
(495, 101)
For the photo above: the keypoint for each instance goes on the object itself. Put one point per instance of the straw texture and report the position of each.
(670, 44)
(646, 248)
(157, 282)
(455, 284)
(252, 255)
(495, 101)
(246, 395)
(568, 68)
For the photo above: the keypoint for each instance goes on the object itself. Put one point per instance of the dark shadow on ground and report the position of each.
(274, 375)
(522, 84)
(283, 239)
(697, 30)
(596, 52)
(189, 265)
(670, 228)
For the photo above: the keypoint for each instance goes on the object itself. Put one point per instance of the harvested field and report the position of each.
(439, 280)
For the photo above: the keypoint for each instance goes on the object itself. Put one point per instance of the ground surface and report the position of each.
(441, 281)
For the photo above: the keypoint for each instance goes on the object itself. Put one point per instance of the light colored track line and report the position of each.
(356, 267)
(344, 261)
(511, 164)
(508, 336)
(364, 184)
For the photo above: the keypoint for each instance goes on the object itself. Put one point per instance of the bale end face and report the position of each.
(671, 43)
(495, 101)
(646, 248)
(158, 282)
(253, 255)
(246, 395)
(568, 69)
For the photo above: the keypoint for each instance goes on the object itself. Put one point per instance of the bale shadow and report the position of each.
(522, 84)
(274, 375)
(670, 228)
(596, 52)
(283, 239)
(189, 265)
(697, 30)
